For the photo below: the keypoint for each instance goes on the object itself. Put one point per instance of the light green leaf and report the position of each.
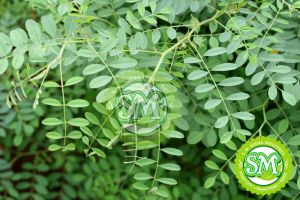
(18, 60)
(191, 60)
(233, 46)
(226, 137)
(171, 33)
(294, 141)
(87, 53)
(210, 182)
(142, 176)
(92, 118)
(51, 102)
(52, 122)
(5, 45)
(156, 35)
(93, 69)
(49, 25)
(237, 96)
(172, 151)
(211, 164)
(167, 181)
(289, 98)
(74, 80)
(243, 115)
(221, 121)
(197, 74)
(204, 88)
(54, 135)
(99, 152)
(34, 31)
(18, 37)
(74, 135)
(272, 92)
(173, 134)
(124, 63)
(212, 103)
(78, 103)
(195, 137)
(106, 94)
(54, 147)
(257, 78)
(3, 64)
(224, 67)
(219, 154)
(215, 51)
(78, 122)
(225, 36)
(140, 186)
(100, 81)
(170, 166)
(224, 178)
(145, 162)
(232, 81)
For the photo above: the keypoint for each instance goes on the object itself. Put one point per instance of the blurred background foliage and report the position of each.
(29, 171)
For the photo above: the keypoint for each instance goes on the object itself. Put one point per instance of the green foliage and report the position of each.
(228, 69)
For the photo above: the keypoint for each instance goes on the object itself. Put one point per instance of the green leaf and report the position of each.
(204, 88)
(142, 176)
(221, 121)
(173, 134)
(237, 96)
(233, 46)
(3, 64)
(5, 45)
(243, 115)
(282, 69)
(272, 92)
(92, 118)
(140, 186)
(54, 147)
(257, 78)
(197, 74)
(144, 162)
(74, 135)
(195, 137)
(283, 126)
(106, 94)
(156, 35)
(243, 132)
(93, 69)
(99, 152)
(86, 53)
(167, 181)
(225, 36)
(51, 102)
(54, 135)
(51, 84)
(210, 182)
(232, 81)
(170, 166)
(226, 137)
(215, 51)
(224, 67)
(145, 145)
(219, 154)
(172, 151)
(211, 164)
(171, 33)
(212, 103)
(49, 25)
(52, 122)
(18, 60)
(100, 81)
(224, 178)
(296, 5)
(74, 80)
(34, 31)
(289, 98)
(161, 193)
(18, 37)
(123, 63)
(78, 122)
(78, 103)
(294, 141)
(191, 60)
(271, 57)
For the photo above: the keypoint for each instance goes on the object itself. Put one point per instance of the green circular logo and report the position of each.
(263, 165)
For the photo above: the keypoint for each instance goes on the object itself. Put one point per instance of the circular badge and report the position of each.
(141, 108)
(263, 165)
